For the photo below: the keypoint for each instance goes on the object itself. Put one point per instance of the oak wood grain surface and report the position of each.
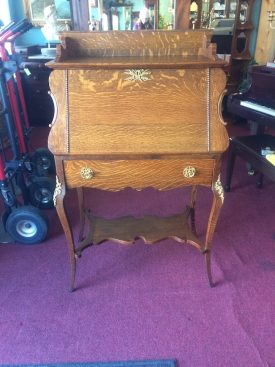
(123, 62)
(151, 229)
(118, 174)
(137, 109)
(143, 43)
(168, 113)
(141, 117)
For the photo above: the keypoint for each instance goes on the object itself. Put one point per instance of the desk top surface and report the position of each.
(124, 62)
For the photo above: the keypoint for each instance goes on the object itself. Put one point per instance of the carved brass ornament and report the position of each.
(87, 173)
(219, 189)
(189, 172)
(57, 190)
(140, 75)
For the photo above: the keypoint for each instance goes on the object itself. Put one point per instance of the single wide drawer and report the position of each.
(118, 174)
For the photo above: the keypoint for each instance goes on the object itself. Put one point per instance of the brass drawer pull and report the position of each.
(87, 173)
(189, 172)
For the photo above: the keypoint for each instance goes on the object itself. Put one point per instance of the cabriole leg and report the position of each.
(59, 195)
(218, 198)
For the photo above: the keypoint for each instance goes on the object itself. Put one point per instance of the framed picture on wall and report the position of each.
(35, 10)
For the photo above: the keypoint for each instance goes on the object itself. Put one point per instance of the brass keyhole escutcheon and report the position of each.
(87, 173)
(189, 172)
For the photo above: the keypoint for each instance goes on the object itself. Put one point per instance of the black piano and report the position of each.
(257, 103)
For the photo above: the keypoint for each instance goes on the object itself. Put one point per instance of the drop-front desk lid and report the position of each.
(151, 92)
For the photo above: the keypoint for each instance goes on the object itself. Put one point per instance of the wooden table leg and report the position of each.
(218, 197)
(59, 195)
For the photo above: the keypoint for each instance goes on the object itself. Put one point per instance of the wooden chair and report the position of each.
(249, 148)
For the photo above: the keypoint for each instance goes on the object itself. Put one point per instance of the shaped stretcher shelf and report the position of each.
(151, 229)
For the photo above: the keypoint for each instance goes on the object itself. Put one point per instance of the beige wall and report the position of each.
(265, 47)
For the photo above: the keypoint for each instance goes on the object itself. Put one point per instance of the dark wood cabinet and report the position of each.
(240, 53)
(35, 81)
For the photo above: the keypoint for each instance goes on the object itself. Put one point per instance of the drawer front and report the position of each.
(117, 174)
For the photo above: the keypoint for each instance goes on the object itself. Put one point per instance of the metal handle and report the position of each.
(220, 107)
(55, 108)
(86, 173)
(189, 172)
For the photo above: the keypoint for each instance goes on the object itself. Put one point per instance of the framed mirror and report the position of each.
(35, 10)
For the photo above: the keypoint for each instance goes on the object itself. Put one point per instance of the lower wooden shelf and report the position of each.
(151, 229)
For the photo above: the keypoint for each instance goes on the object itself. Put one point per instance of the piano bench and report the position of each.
(250, 148)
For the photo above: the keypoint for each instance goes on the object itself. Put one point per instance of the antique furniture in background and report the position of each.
(35, 82)
(240, 53)
(137, 109)
(257, 102)
(36, 91)
(256, 105)
(250, 148)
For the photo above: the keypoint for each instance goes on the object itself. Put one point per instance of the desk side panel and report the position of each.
(218, 134)
(116, 111)
(58, 137)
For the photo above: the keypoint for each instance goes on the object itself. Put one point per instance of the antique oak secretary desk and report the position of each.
(137, 109)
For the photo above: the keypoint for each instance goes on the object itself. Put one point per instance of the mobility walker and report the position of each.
(25, 182)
